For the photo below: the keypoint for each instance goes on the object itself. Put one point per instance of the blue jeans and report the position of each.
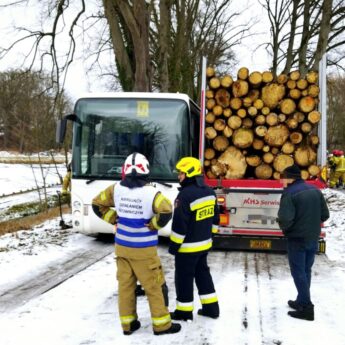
(301, 255)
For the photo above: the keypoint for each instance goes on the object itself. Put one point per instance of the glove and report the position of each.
(173, 249)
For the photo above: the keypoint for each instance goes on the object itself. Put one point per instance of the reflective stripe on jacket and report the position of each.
(196, 215)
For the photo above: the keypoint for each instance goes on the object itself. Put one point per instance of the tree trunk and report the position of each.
(302, 56)
(136, 18)
(325, 28)
(122, 53)
(164, 44)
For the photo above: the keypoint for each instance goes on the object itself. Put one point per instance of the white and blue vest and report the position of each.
(134, 208)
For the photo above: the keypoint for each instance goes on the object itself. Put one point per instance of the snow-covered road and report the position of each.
(80, 306)
(252, 287)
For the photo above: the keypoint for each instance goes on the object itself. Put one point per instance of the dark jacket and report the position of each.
(196, 215)
(302, 210)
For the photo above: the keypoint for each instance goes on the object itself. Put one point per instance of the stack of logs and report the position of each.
(258, 125)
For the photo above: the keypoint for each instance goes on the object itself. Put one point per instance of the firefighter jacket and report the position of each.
(196, 216)
(138, 213)
(337, 163)
(340, 164)
(302, 210)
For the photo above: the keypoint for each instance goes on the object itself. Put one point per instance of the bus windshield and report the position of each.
(109, 129)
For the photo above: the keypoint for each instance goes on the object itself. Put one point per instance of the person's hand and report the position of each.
(150, 226)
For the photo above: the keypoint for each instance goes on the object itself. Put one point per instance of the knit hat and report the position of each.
(292, 171)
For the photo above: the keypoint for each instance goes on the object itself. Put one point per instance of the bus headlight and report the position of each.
(77, 205)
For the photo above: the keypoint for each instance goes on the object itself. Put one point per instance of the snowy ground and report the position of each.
(252, 288)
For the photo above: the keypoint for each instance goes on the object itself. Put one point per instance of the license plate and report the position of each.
(260, 244)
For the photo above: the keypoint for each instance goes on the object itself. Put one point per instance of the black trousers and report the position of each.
(187, 268)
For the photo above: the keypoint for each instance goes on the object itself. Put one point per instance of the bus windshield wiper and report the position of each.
(163, 183)
(93, 179)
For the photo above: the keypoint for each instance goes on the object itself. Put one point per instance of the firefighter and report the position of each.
(342, 163)
(66, 182)
(196, 216)
(140, 210)
(337, 163)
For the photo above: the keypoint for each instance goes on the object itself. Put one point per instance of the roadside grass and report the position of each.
(31, 160)
(28, 222)
(26, 215)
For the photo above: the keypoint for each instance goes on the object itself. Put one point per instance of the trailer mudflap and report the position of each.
(271, 244)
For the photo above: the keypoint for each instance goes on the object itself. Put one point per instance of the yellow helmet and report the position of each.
(190, 166)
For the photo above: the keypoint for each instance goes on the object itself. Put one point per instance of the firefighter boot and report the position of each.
(303, 313)
(181, 315)
(174, 328)
(134, 326)
(210, 310)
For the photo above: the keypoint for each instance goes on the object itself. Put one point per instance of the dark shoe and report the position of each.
(181, 315)
(175, 328)
(293, 304)
(303, 313)
(139, 291)
(203, 313)
(134, 326)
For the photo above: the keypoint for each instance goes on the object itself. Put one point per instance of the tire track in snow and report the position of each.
(53, 276)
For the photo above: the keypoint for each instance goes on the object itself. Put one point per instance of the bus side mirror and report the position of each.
(62, 125)
(61, 130)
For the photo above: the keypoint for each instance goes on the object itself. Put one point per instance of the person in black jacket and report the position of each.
(195, 217)
(302, 210)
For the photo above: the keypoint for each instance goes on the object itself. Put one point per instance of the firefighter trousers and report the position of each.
(187, 268)
(334, 178)
(149, 273)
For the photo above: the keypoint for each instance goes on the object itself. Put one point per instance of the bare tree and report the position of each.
(303, 31)
(156, 45)
(28, 111)
(335, 113)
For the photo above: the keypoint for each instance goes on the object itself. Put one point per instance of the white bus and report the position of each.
(107, 127)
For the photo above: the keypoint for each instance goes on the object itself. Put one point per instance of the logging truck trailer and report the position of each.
(249, 206)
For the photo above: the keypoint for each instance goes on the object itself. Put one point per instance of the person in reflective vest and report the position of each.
(66, 182)
(338, 171)
(139, 211)
(196, 217)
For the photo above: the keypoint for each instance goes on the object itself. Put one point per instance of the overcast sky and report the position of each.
(79, 82)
